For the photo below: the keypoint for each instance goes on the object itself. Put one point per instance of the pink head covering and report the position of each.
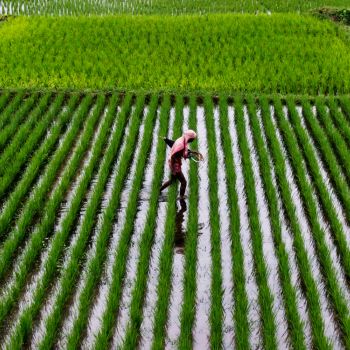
(180, 145)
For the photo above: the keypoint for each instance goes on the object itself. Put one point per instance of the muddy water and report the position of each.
(226, 257)
(251, 287)
(329, 323)
(287, 239)
(39, 330)
(268, 245)
(146, 330)
(201, 332)
(340, 214)
(176, 294)
(134, 252)
(99, 306)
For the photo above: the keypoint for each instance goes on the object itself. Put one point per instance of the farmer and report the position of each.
(178, 150)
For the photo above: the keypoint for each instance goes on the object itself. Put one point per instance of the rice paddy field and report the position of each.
(93, 255)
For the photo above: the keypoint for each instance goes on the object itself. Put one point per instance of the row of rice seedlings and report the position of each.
(323, 193)
(9, 130)
(134, 250)
(335, 293)
(16, 197)
(188, 308)
(166, 254)
(201, 331)
(265, 297)
(240, 311)
(34, 245)
(337, 140)
(11, 109)
(306, 275)
(72, 262)
(43, 230)
(5, 99)
(225, 240)
(81, 309)
(36, 202)
(344, 102)
(25, 131)
(149, 237)
(341, 122)
(289, 292)
(22, 151)
(216, 311)
(113, 298)
(325, 143)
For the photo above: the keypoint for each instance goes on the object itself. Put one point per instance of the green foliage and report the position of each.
(282, 53)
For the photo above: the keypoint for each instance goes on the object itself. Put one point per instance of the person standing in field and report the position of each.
(179, 150)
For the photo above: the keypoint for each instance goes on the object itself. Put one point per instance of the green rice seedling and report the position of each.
(10, 109)
(25, 132)
(11, 128)
(306, 276)
(323, 194)
(187, 316)
(16, 197)
(46, 225)
(334, 167)
(216, 311)
(132, 334)
(56, 248)
(236, 53)
(240, 312)
(23, 151)
(265, 297)
(71, 271)
(166, 254)
(333, 289)
(37, 200)
(288, 290)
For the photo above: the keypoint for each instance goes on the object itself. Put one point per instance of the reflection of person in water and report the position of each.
(179, 150)
(179, 240)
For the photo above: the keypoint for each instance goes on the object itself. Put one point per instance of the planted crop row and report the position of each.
(10, 109)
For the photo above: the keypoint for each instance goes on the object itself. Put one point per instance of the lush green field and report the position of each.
(232, 53)
(86, 236)
(78, 7)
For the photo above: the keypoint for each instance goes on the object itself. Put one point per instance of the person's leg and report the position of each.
(183, 182)
(167, 183)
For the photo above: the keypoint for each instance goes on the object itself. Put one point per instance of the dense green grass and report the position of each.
(162, 6)
(282, 53)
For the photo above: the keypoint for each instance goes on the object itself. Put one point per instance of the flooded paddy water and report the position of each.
(23, 284)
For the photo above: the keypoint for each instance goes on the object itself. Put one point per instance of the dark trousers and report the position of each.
(179, 176)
